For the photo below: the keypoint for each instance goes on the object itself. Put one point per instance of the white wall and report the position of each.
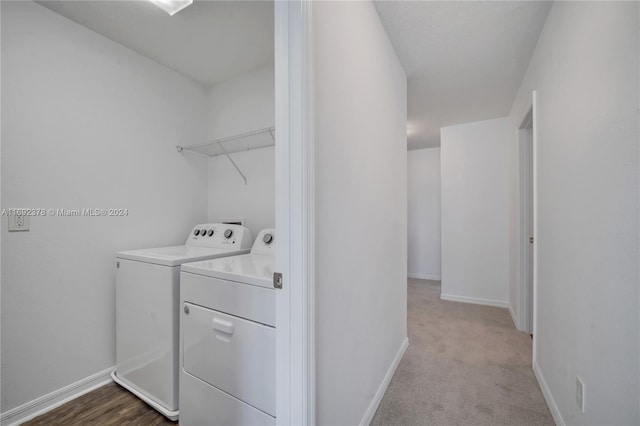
(237, 106)
(230, 198)
(242, 104)
(86, 123)
(585, 72)
(361, 216)
(423, 213)
(475, 211)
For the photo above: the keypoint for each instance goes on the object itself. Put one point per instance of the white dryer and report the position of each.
(227, 333)
(147, 310)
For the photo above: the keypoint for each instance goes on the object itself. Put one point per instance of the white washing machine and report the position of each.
(147, 311)
(228, 339)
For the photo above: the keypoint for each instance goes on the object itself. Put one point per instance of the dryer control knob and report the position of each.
(210, 233)
(267, 239)
(196, 232)
(228, 233)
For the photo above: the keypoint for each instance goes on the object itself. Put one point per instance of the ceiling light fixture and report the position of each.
(172, 6)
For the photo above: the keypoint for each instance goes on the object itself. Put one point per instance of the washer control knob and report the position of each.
(196, 232)
(210, 232)
(228, 233)
(267, 239)
(186, 309)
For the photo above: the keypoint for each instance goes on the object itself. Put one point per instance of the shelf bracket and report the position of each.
(232, 162)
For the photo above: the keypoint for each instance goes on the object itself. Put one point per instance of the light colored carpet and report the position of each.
(466, 365)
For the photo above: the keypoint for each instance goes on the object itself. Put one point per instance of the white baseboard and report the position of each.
(377, 398)
(513, 316)
(424, 276)
(48, 402)
(476, 300)
(553, 407)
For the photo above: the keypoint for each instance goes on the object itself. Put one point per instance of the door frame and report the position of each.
(524, 209)
(295, 210)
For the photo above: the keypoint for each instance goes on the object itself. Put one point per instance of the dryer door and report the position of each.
(234, 355)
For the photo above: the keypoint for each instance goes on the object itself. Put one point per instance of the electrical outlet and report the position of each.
(18, 222)
(580, 393)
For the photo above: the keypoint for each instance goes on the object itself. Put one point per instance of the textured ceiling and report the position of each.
(210, 41)
(464, 60)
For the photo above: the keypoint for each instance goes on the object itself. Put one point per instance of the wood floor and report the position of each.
(108, 405)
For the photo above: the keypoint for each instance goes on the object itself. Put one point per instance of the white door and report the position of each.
(530, 243)
(526, 220)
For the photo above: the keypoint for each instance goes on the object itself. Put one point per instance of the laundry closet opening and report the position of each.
(167, 119)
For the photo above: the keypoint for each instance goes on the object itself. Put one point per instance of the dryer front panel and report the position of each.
(233, 354)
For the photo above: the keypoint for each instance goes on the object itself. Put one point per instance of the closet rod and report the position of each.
(271, 131)
(202, 148)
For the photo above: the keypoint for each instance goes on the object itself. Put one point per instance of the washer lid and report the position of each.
(177, 255)
(254, 269)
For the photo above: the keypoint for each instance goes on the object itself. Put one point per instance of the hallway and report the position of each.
(466, 365)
